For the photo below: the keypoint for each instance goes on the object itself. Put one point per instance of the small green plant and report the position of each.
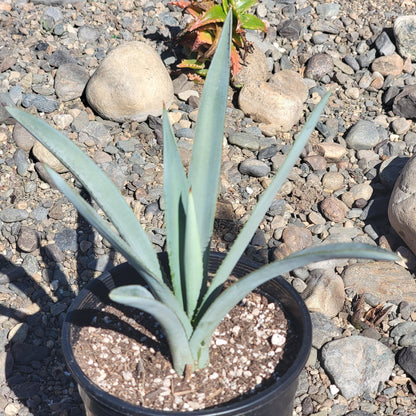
(202, 35)
(186, 306)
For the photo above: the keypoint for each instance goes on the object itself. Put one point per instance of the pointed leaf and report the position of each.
(244, 5)
(191, 64)
(175, 191)
(246, 234)
(95, 182)
(207, 149)
(251, 22)
(160, 290)
(236, 292)
(193, 265)
(214, 15)
(138, 297)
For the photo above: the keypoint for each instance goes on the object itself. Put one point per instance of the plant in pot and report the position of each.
(187, 291)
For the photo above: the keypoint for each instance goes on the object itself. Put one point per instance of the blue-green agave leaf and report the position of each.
(161, 291)
(176, 192)
(236, 292)
(260, 210)
(96, 183)
(193, 264)
(138, 297)
(207, 149)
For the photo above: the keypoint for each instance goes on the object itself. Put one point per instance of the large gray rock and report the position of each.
(363, 135)
(70, 81)
(131, 83)
(385, 280)
(357, 364)
(405, 35)
(276, 104)
(402, 204)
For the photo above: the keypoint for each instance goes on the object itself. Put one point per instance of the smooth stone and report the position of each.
(131, 83)
(276, 104)
(23, 138)
(40, 102)
(388, 65)
(384, 45)
(405, 36)
(255, 68)
(43, 155)
(28, 240)
(9, 215)
(22, 163)
(357, 364)
(294, 239)
(404, 103)
(327, 10)
(403, 203)
(333, 209)
(244, 140)
(318, 66)
(323, 330)
(385, 280)
(254, 167)
(332, 152)
(316, 162)
(407, 360)
(70, 81)
(404, 334)
(363, 135)
(362, 191)
(60, 57)
(400, 125)
(325, 293)
(332, 181)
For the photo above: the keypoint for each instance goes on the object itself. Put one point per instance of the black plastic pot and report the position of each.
(275, 400)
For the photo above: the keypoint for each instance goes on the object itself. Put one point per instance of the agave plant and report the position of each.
(202, 35)
(186, 306)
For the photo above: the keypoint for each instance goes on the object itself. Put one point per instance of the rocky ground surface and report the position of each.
(364, 347)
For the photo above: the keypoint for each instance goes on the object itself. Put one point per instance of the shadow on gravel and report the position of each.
(32, 366)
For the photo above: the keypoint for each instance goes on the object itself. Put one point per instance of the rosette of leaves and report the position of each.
(187, 306)
(201, 36)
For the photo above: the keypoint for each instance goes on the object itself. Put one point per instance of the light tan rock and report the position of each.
(332, 152)
(402, 205)
(325, 294)
(385, 280)
(388, 65)
(131, 83)
(254, 68)
(45, 156)
(277, 104)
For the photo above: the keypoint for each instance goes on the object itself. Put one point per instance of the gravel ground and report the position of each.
(335, 193)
